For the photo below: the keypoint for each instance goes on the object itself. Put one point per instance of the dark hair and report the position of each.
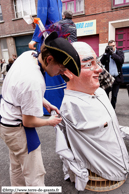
(11, 60)
(111, 41)
(68, 14)
(45, 53)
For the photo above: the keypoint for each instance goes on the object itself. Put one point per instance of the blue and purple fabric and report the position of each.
(50, 11)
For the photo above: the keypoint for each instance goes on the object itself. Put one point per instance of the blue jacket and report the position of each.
(49, 11)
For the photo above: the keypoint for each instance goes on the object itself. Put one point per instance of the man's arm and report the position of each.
(104, 59)
(42, 10)
(32, 45)
(49, 106)
(32, 121)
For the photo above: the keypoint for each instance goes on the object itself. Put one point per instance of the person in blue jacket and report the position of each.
(49, 11)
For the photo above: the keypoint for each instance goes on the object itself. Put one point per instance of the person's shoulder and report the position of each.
(100, 91)
(30, 52)
(60, 21)
(104, 55)
(69, 95)
(25, 56)
(119, 52)
(68, 20)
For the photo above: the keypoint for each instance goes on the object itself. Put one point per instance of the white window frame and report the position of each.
(118, 3)
(22, 11)
(1, 16)
(73, 9)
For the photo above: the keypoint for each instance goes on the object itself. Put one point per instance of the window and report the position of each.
(122, 38)
(24, 7)
(118, 3)
(1, 17)
(76, 6)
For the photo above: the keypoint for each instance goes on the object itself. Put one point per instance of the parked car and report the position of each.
(125, 67)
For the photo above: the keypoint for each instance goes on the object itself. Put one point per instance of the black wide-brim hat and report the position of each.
(63, 52)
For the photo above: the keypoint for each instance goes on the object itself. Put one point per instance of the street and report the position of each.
(52, 162)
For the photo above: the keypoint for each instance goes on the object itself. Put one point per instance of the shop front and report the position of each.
(86, 32)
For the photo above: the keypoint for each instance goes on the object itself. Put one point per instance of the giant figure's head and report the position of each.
(88, 81)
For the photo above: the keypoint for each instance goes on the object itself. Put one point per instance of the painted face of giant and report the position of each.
(90, 70)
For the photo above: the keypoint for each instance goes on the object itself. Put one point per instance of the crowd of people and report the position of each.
(86, 122)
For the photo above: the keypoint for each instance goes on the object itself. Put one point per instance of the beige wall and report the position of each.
(0, 53)
(11, 46)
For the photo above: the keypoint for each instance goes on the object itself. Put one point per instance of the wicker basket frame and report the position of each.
(99, 184)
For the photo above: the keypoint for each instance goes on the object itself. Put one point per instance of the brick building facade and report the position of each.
(13, 29)
(111, 20)
(97, 22)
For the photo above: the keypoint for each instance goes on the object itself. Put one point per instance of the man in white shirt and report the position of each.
(22, 106)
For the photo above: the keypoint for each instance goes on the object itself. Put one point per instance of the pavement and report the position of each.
(52, 162)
